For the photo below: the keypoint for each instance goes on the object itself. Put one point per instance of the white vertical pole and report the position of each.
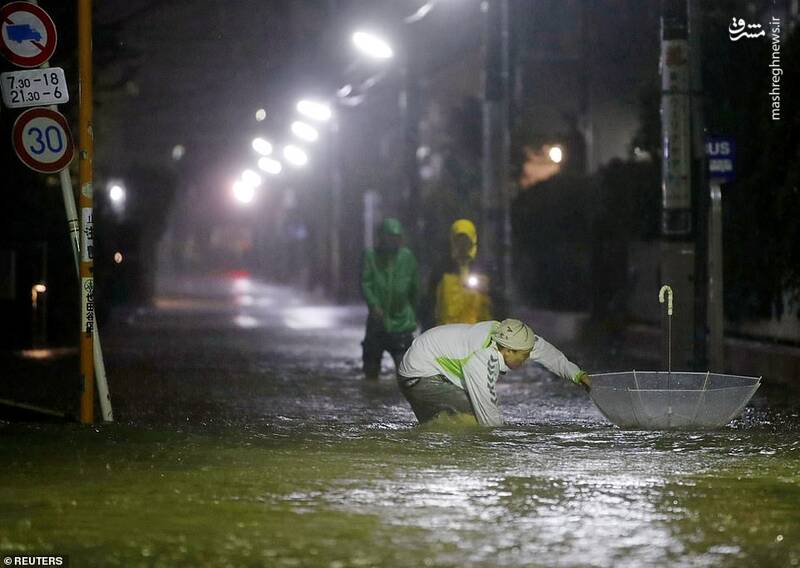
(716, 315)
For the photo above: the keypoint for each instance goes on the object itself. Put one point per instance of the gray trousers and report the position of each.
(432, 396)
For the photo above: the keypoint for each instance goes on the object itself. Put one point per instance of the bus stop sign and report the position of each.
(721, 152)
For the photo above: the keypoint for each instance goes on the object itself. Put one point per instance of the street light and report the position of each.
(243, 192)
(304, 131)
(251, 178)
(262, 146)
(178, 151)
(117, 194)
(269, 165)
(295, 155)
(372, 46)
(261, 114)
(314, 110)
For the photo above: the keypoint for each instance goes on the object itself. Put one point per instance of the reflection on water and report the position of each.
(389, 494)
(261, 446)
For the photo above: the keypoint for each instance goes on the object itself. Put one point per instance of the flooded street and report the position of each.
(245, 436)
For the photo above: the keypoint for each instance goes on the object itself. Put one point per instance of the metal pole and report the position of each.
(335, 219)
(495, 229)
(716, 314)
(700, 181)
(336, 210)
(73, 227)
(411, 107)
(505, 153)
(677, 245)
(86, 157)
(74, 236)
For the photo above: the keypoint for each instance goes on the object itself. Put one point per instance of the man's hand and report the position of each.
(584, 380)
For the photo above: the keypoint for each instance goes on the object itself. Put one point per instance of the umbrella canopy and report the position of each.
(662, 400)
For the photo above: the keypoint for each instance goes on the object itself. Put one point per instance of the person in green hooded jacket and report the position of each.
(390, 285)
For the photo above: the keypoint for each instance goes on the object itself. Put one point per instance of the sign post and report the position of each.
(43, 142)
(721, 154)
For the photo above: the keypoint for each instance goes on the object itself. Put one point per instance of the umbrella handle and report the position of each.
(667, 290)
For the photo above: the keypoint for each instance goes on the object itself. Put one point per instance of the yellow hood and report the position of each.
(465, 227)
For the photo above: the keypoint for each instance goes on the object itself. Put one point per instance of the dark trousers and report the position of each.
(431, 396)
(376, 341)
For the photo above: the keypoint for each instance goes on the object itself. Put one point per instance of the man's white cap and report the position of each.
(514, 334)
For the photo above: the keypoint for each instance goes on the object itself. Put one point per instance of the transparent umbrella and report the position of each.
(665, 400)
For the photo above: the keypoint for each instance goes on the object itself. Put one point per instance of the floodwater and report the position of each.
(245, 437)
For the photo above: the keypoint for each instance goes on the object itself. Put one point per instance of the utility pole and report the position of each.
(411, 110)
(678, 246)
(335, 219)
(86, 157)
(335, 194)
(701, 197)
(495, 224)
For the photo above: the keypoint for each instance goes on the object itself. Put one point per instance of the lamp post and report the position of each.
(495, 221)
(319, 111)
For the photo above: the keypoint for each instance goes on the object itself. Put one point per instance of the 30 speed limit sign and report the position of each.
(42, 140)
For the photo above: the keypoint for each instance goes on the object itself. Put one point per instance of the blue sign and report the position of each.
(721, 152)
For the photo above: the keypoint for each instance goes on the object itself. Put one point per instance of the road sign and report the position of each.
(28, 35)
(42, 140)
(721, 152)
(34, 87)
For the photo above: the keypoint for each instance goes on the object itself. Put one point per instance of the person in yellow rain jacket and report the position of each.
(462, 293)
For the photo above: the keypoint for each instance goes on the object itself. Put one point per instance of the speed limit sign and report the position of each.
(42, 140)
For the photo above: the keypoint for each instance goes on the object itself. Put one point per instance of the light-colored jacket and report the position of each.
(467, 356)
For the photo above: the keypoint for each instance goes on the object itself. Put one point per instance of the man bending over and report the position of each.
(454, 368)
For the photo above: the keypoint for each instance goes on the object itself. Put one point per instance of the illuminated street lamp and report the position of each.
(243, 192)
(304, 131)
(372, 45)
(270, 165)
(314, 110)
(261, 114)
(251, 178)
(556, 154)
(295, 155)
(178, 151)
(262, 146)
(116, 193)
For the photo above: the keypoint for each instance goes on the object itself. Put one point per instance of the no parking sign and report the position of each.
(42, 140)
(28, 37)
